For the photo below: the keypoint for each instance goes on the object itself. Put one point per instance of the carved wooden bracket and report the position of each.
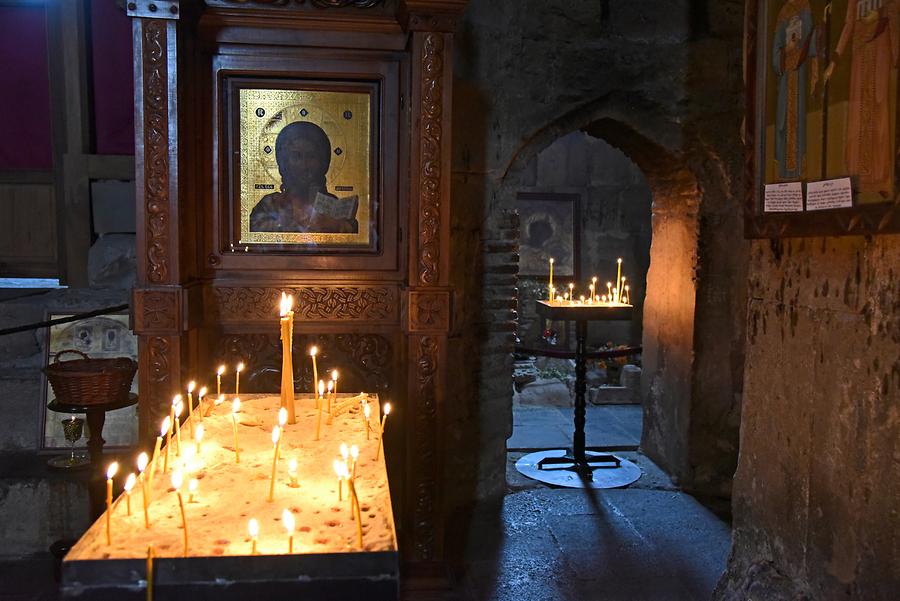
(158, 310)
(428, 311)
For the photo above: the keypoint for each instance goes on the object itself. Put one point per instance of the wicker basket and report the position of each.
(89, 381)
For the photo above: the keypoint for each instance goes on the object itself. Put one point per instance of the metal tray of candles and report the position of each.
(573, 311)
(344, 546)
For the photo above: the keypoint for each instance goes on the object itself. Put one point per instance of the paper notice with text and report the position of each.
(829, 194)
(783, 198)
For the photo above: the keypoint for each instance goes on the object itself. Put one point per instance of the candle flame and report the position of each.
(220, 400)
(202, 392)
(235, 405)
(112, 469)
(177, 480)
(240, 366)
(367, 411)
(551, 259)
(166, 424)
(253, 527)
(276, 434)
(142, 462)
(129, 482)
(334, 375)
(176, 399)
(179, 408)
(313, 351)
(345, 452)
(354, 452)
(287, 302)
(330, 385)
(321, 387)
(292, 467)
(192, 485)
(221, 370)
(338, 467)
(288, 519)
(594, 280)
(191, 386)
(619, 260)
(198, 433)
(387, 408)
(282, 417)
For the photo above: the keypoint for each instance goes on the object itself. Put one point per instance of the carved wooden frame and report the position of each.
(881, 218)
(187, 296)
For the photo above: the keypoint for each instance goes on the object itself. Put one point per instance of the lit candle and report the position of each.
(237, 378)
(276, 440)
(330, 388)
(178, 409)
(177, 481)
(292, 473)
(190, 404)
(235, 407)
(312, 354)
(214, 404)
(110, 472)
(582, 299)
(253, 527)
(287, 361)
(618, 274)
(627, 297)
(609, 290)
(200, 394)
(334, 378)
(171, 421)
(142, 465)
(593, 289)
(572, 291)
(321, 403)
(622, 291)
(339, 469)
(219, 373)
(387, 410)
(355, 514)
(129, 484)
(551, 278)
(192, 489)
(198, 438)
(156, 448)
(367, 412)
(287, 518)
(354, 455)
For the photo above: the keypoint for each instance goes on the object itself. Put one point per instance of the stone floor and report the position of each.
(647, 542)
(543, 419)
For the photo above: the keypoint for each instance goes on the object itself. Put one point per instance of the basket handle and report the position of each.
(61, 353)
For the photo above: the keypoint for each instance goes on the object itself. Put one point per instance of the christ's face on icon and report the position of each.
(301, 164)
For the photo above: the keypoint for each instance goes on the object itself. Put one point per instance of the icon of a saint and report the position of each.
(303, 204)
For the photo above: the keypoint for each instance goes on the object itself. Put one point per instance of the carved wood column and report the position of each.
(429, 297)
(158, 303)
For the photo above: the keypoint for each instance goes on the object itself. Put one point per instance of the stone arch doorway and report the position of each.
(671, 283)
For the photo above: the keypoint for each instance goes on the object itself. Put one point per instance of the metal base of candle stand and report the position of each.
(578, 468)
(598, 474)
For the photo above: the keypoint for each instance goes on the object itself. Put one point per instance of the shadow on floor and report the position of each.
(644, 543)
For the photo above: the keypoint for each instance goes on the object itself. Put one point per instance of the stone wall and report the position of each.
(817, 491)
(529, 72)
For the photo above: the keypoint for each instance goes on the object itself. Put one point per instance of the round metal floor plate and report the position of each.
(603, 477)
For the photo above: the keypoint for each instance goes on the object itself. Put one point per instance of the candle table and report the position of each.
(576, 467)
(320, 559)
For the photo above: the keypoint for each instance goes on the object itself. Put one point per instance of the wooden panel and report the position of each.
(27, 230)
